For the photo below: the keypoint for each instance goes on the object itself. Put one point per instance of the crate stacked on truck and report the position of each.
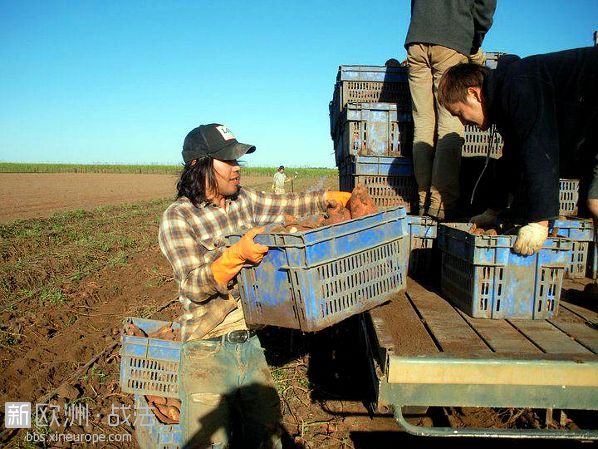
(372, 129)
(371, 126)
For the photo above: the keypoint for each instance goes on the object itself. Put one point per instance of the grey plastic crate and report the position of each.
(581, 232)
(422, 234)
(373, 129)
(568, 197)
(369, 84)
(478, 142)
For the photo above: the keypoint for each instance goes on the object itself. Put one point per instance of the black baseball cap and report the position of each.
(213, 140)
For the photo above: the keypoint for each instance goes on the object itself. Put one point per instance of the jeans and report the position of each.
(438, 136)
(227, 394)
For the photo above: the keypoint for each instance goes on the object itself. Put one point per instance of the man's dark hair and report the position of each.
(455, 81)
(193, 180)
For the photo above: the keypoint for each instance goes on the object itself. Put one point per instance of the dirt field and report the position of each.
(67, 283)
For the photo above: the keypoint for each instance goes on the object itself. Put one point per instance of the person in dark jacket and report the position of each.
(546, 109)
(442, 33)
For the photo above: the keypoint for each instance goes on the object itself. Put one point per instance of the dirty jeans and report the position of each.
(438, 136)
(227, 389)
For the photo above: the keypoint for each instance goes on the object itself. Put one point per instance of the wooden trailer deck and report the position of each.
(428, 353)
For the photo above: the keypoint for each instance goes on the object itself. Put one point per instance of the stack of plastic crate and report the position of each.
(422, 237)
(480, 143)
(372, 129)
(579, 230)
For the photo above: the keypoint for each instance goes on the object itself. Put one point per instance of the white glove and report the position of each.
(488, 218)
(530, 239)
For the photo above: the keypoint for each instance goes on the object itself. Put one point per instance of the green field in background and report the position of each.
(13, 167)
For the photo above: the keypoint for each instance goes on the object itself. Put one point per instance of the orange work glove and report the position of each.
(339, 197)
(233, 258)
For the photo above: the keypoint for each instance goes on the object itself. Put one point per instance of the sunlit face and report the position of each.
(228, 177)
(471, 112)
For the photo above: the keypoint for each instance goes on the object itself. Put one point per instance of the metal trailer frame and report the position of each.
(556, 366)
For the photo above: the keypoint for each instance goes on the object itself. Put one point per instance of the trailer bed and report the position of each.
(428, 353)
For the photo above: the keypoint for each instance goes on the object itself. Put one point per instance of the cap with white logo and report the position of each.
(213, 140)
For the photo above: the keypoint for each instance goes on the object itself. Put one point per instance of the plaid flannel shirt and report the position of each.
(192, 238)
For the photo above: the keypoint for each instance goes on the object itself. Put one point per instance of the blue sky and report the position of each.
(123, 82)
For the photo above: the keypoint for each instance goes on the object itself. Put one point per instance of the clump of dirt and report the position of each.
(481, 417)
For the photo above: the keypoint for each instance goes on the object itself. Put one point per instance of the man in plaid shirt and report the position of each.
(222, 362)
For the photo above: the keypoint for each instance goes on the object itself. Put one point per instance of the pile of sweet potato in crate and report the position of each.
(359, 205)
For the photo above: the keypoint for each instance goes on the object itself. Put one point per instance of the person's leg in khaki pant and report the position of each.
(444, 189)
(424, 118)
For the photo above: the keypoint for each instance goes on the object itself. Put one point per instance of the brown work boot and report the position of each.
(436, 208)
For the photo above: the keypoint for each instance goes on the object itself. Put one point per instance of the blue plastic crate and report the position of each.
(149, 365)
(373, 129)
(579, 229)
(311, 280)
(151, 433)
(368, 84)
(484, 278)
(581, 232)
(422, 234)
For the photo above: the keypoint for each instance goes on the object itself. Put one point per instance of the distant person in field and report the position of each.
(222, 366)
(546, 109)
(442, 33)
(280, 178)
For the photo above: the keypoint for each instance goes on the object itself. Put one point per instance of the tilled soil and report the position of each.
(68, 354)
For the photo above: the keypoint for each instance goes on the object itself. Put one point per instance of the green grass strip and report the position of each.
(15, 167)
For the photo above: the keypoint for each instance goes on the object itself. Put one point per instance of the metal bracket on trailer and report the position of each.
(492, 433)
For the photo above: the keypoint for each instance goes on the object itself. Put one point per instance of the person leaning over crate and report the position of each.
(546, 109)
(222, 362)
(441, 33)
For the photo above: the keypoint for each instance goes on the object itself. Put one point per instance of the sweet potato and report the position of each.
(289, 219)
(361, 203)
(164, 333)
(336, 213)
(155, 399)
(166, 414)
(131, 329)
